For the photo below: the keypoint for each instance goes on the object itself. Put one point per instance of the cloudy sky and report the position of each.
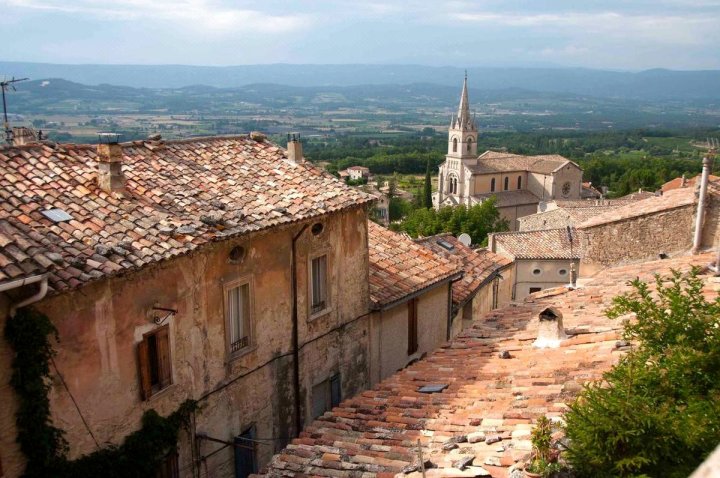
(615, 34)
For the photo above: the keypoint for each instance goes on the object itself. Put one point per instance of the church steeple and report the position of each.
(462, 138)
(463, 120)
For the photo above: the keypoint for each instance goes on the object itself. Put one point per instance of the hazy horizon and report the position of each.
(609, 35)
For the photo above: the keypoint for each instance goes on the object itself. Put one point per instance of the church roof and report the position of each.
(495, 162)
(180, 195)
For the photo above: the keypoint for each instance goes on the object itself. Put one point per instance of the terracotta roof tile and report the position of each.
(543, 244)
(376, 432)
(492, 161)
(400, 267)
(478, 266)
(174, 194)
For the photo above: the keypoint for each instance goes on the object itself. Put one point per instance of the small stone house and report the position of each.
(487, 281)
(541, 259)
(411, 294)
(215, 269)
(358, 172)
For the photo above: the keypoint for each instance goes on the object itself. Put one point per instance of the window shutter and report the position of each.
(412, 327)
(144, 370)
(164, 364)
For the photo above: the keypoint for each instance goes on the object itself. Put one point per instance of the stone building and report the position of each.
(657, 226)
(487, 281)
(411, 294)
(519, 183)
(216, 269)
(358, 172)
(563, 216)
(541, 259)
(469, 408)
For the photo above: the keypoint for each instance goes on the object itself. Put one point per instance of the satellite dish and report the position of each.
(465, 239)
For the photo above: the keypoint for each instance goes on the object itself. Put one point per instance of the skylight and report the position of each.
(56, 215)
(445, 245)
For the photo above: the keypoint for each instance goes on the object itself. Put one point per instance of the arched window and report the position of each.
(507, 183)
(492, 185)
(519, 182)
(454, 145)
(469, 147)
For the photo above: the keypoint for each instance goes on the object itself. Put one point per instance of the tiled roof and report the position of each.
(375, 433)
(478, 266)
(180, 196)
(517, 197)
(570, 216)
(493, 162)
(399, 267)
(571, 203)
(544, 244)
(654, 204)
(678, 182)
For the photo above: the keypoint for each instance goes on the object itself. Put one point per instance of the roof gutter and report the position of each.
(39, 295)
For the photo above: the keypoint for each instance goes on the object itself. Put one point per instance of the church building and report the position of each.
(519, 183)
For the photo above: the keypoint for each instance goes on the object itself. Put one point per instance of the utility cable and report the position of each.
(62, 380)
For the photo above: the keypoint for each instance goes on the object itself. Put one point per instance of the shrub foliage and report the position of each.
(657, 412)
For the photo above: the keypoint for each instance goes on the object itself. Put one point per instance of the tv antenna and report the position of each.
(5, 85)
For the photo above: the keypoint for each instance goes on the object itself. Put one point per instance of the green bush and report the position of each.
(657, 412)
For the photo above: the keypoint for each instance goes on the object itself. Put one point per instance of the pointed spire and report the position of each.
(464, 120)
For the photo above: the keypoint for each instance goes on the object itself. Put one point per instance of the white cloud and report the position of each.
(204, 14)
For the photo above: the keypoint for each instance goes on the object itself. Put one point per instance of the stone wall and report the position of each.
(637, 238)
(101, 324)
(555, 219)
(711, 227)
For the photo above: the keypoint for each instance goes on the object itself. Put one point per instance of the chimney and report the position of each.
(700, 214)
(550, 330)
(683, 181)
(294, 148)
(22, 136)
(109, 158)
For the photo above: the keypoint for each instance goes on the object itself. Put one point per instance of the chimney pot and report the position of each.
(110, 175)
(550, 330)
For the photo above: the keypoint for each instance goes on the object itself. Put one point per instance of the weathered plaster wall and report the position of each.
(100, 325)
(711, 227)
(12, 462)
(482, 182)
(390, 332)
(512, 213)
(549, 275)
(638, 238)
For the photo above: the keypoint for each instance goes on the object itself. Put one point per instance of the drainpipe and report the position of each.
(42, 278)
(699, 218)
(295, 333)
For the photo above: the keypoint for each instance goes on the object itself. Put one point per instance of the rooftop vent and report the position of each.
(550, 330)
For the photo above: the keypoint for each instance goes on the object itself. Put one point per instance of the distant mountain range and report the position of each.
(645, 85)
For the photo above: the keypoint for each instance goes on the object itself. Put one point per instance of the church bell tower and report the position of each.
(462, 137)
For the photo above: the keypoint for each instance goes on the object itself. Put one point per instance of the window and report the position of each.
(469, 146)
(536, 272)
(454, 145)
(535, 289)
(318, 284)
(507, 183)
(326, 395)
(562, 272)
(412, 326)
(238, 316)
(492, 185)
(519, 182)
(154, 362)
(169, 466)
(245, 461)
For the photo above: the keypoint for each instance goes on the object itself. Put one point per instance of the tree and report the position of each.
(427, 190)
(477, 221)
(657, 412)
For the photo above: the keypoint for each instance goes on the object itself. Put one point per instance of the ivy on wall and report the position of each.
(44, 446)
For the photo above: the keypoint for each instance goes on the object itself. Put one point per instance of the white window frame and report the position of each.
(250, 307)
(312, 311)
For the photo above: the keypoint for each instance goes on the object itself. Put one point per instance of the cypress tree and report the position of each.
(427, 191)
